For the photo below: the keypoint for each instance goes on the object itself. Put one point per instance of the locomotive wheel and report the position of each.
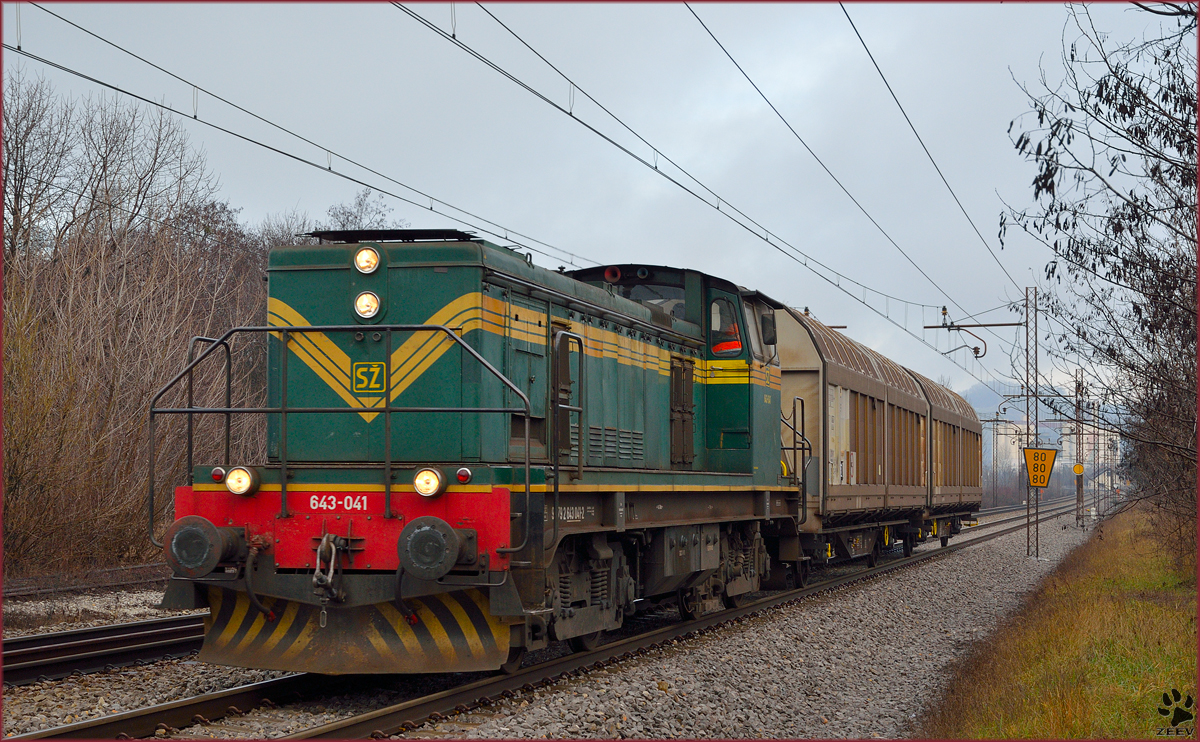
(733, 601)
(802, 574)
(586, 642)
(688, 609)
(945, 541)
(515, 655)
(908, 547)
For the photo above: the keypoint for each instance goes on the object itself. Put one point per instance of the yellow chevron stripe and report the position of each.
(240, 606)
(311, 626)
(260, 620)
(475, 311)
(379, 644)
(285, 623)
(436, 630)
(411, 644)
(500, 631)
(464, 623)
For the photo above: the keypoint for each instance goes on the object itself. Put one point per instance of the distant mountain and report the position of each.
(984, 400)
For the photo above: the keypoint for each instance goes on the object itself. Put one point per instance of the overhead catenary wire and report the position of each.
(765, 233)
(504, 234)
(330, 153)
(750, 225)
(824, 167)
(927, 152)
(350, 178)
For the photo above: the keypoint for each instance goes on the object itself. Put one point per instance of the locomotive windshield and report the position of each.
(667, 298)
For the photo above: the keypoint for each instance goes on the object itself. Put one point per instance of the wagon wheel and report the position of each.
(586, 642)
(801, 573)
(908, 546)
(945, 541)
(873, 557)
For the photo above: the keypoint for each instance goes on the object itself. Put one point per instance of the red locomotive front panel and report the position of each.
(356, 513)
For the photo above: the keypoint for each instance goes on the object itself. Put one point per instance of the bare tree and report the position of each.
(363, 213)
(1115, 199)
(115, 254)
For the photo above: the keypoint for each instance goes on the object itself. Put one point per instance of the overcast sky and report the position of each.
(371, 83)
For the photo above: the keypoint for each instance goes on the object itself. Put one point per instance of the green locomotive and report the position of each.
(469, 456)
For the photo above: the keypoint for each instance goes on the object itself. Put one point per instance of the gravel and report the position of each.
(861, 661)
(57, 702)
(64, 612)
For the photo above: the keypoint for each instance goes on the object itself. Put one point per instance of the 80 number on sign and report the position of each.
(1039, 462)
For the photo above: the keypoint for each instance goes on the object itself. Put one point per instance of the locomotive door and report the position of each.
(727, 392)
(527, 365)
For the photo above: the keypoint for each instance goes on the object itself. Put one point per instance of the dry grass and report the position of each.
(1090, 654)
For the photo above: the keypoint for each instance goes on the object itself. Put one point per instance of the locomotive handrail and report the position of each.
(283, 409)
(228, 398)
(562, 341)
(799, 474)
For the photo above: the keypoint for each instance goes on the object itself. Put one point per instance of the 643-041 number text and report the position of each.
(336, 502)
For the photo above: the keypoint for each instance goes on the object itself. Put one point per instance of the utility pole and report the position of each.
(995, 431)
(1096, 456)
(1031, 416)
(1079, 447)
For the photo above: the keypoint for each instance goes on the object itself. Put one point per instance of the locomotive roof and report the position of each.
(392, 235)
(629, 270)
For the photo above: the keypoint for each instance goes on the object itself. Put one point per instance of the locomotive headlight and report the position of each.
(366, 260)
(242, 481)
(366, 305)
(429, 482)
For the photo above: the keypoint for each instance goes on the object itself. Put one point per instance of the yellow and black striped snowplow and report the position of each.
(454, 632)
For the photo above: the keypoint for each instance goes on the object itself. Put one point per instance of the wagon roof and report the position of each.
(838, 349)
(940, 396)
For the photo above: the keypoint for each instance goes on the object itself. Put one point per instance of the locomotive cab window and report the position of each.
(752, 334)
(724, 337)
(760, 326)
(767, 332)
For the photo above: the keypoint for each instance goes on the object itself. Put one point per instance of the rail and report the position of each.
(285, 333)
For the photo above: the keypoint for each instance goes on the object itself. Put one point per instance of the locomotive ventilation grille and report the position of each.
(611, 443)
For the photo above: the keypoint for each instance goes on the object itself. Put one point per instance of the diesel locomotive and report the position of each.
(468, 456)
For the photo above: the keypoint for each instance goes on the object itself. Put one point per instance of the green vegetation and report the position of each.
(1091, 653)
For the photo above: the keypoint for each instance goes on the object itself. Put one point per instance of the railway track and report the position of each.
(1014, 508)
(1047, 509)
(56, 655)
(410, 714)
(48, 656)
(137, 575)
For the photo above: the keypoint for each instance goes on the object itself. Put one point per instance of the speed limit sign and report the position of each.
(1039, 462)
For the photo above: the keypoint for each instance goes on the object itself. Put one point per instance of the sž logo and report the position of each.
(368, 377)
